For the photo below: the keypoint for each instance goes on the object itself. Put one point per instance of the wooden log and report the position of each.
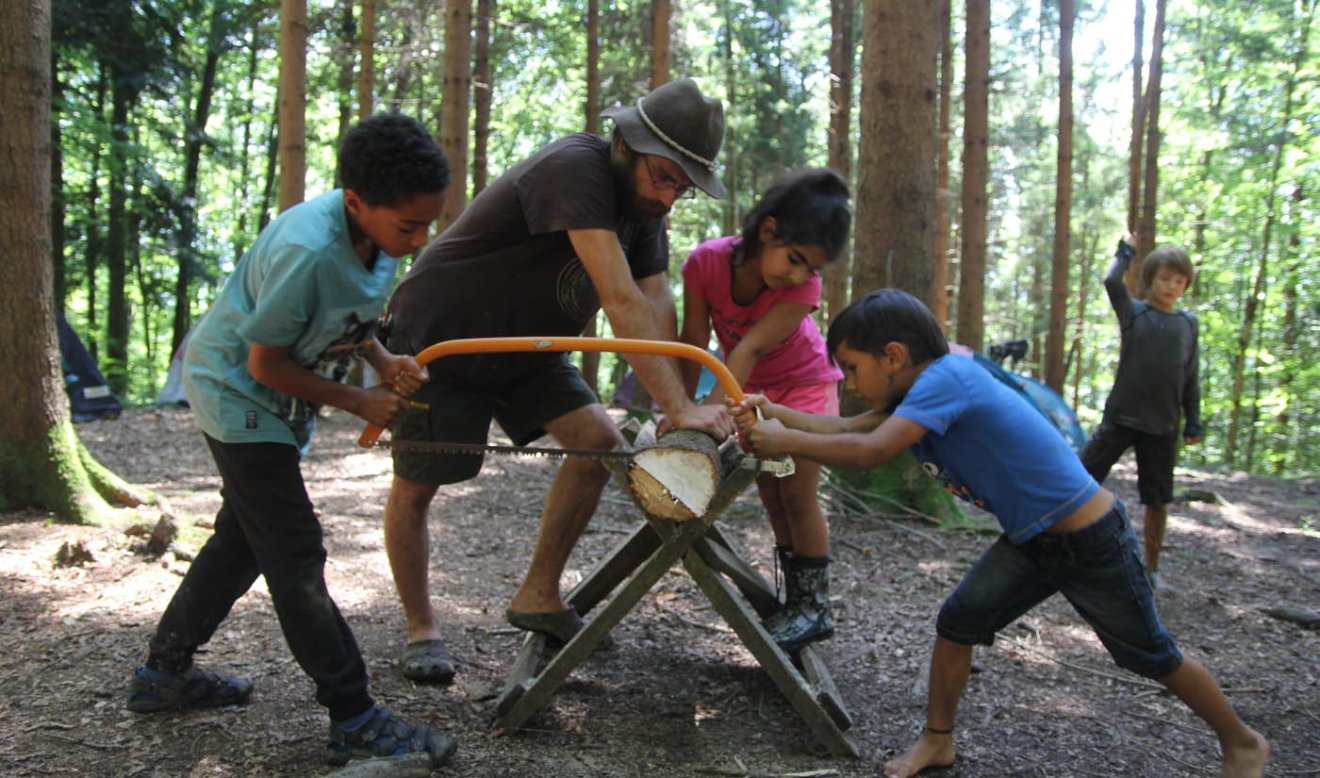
(677, 477)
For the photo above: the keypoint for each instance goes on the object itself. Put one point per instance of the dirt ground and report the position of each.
(678, 695)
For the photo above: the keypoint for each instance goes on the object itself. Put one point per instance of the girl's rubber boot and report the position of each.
(807, 616)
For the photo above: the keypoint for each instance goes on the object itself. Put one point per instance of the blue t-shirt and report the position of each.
(991, 448)
(299, 285)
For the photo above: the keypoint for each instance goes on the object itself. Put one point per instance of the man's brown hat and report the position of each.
(676, 122)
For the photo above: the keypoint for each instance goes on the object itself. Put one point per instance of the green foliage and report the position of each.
(1235, 157)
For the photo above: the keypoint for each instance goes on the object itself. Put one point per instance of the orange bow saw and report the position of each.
(662, 348)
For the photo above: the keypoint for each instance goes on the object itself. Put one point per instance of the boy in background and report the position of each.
(1157, 381)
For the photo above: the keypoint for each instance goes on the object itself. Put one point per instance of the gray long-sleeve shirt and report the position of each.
(1158, 365)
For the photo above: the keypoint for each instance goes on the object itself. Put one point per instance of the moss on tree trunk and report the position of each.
(62, 477)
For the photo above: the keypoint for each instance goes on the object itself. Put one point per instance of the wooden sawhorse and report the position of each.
(739, 594)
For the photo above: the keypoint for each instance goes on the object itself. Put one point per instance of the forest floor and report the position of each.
(678, 695)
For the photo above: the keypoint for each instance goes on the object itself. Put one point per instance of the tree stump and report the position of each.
(677, 477)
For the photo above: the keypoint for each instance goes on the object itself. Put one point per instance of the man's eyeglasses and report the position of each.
(666, 181)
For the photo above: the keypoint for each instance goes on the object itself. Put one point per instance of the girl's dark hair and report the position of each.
(389, 157)
(810, 207)
(889, 316)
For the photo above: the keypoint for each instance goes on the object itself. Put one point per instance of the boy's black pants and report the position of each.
(266, 526)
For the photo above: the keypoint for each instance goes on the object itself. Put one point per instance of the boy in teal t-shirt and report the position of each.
(300, 305)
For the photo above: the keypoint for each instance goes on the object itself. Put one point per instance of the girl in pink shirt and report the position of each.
(757, 291)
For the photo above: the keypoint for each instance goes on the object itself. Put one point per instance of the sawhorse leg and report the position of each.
(527, 690)
(811, 691)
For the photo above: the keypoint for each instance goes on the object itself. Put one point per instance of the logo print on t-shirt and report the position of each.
(575, 293)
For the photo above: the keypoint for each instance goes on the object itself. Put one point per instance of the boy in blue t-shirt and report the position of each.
(1063, 532)
(300, 305)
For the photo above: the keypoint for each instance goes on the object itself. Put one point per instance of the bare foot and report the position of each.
(929, 751)
(1247, 761)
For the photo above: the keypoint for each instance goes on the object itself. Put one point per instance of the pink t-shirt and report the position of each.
(798, 360)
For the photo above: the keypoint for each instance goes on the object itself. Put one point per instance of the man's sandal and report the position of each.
(558, 627)
(427, 661)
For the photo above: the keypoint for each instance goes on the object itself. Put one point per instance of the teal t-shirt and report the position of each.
(299, 285)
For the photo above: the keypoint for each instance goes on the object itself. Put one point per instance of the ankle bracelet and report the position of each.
(934, 731)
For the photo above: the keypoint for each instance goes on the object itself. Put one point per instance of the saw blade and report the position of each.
(472, 449)
(780, 468)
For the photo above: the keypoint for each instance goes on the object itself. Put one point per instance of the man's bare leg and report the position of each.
(568, 507)
(407, 544)
(1245, 750)
(950, 666)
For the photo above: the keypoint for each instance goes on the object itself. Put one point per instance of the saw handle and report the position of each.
(662, 348)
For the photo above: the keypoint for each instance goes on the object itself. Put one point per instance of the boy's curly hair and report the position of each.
(389, 157)
(1166, 257)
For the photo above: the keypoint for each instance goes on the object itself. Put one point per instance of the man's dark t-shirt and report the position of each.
(506, 267)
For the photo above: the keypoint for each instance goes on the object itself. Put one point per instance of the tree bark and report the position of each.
(842, 64)
(660, 56)
(971, 277)
(1138, 119)
(1150, 193)
(591, 359)
(195, 133)
(42, 463)
(456, 106)
(895, 232)
(1059, 266)
(943, 197)
(115, 363)
(293, 102)
(482, 93)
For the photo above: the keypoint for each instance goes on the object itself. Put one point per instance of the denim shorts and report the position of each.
(1098, 569)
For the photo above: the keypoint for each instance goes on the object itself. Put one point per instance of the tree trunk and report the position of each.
(366, 77)
(483, 90)
(591, 359)
(943, 197)
(842, 63)
(660, 66)
(730, 148)
(1138, 119)
(347, 76)
(94, 239)
(1057, 337)
(115, 363)
(1300, 57)
(895, 233)
(42, 463)
(195, 134)
(456, 106)
(57, 190)
(971, 276)
(1149, 195)
(293, 102)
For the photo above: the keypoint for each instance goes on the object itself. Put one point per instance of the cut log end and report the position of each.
(677, 478)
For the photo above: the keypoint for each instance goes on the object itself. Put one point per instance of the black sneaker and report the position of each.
(153, 690)
(387, 735)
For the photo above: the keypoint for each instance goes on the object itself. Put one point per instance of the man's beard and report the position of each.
(633, 206)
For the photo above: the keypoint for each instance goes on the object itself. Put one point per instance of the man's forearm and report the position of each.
(635, 319)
